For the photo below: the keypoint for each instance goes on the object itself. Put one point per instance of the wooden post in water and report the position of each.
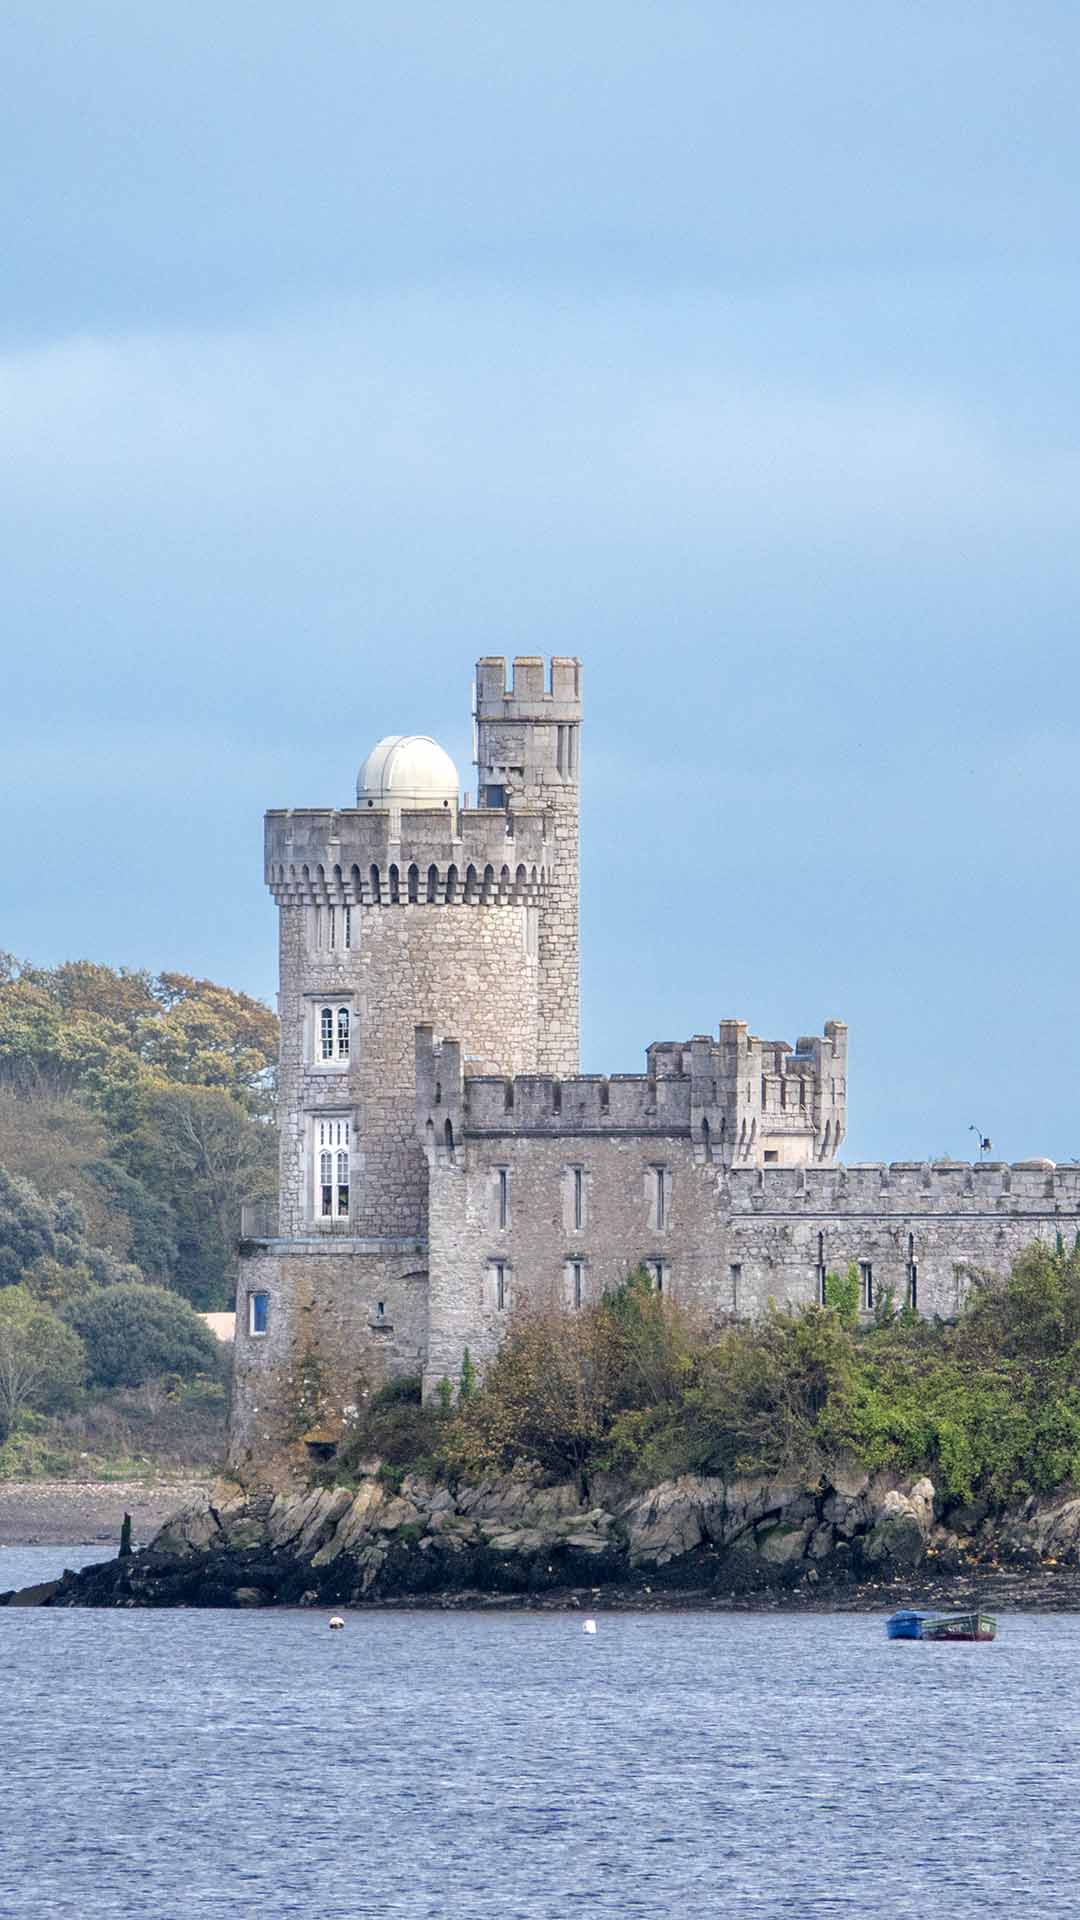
(125, 1538)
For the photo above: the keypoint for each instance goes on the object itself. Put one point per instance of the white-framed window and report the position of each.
(659, 1272)
(331, 1150)
(258, 1314)
(331, 1023)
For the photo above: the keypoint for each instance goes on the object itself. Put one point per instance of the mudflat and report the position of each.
(70, 1513)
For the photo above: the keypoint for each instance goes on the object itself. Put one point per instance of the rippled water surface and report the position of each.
(466, 1765)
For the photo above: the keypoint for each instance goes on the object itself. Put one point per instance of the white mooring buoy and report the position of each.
(589, 1627)
(336, 1620)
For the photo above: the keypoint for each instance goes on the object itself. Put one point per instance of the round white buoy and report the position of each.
(336, 1620)
(589, 1627)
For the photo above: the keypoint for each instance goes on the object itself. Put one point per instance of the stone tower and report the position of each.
(528, 758)
(408, 909)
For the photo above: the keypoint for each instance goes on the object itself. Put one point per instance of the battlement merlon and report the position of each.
(535, 692)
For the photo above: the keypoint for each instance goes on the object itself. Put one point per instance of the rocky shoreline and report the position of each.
(855, 1541)
(70, 1513)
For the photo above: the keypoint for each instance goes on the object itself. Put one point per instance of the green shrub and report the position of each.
(42, 1361)
(134, 1332)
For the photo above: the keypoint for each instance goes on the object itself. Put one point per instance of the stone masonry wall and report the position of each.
(324, 1324)
(729, 1241)
(472, 969)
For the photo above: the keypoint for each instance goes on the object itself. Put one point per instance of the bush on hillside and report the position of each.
(134, 1332)
(42, 1361)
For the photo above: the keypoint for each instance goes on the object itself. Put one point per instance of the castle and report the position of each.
(442, 1159)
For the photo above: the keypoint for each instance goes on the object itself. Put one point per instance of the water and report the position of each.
(475, 1765)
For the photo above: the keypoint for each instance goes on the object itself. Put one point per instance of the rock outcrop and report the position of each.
(394, 1540)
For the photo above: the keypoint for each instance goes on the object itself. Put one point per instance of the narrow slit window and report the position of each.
(658, 1273)
(660, 1197)
(866, 1275)
(579, 1198)
(577, 1283)
(326, 1032)
(347, 926)
(502, 1199)
(735, 1272)
(343, 1033)
(331, 926)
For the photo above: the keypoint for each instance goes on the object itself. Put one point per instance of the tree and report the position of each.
(27, 1228)
(42, 1361)
(198, 1147)
(548, 1395)
(132, 1332)
(843, 1293)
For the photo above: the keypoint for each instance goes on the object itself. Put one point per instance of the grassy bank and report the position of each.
(163, 1430)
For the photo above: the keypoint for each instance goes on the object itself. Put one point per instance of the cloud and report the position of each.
(563, 426)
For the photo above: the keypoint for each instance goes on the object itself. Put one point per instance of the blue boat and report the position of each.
(906, 1624)
(913, 1623)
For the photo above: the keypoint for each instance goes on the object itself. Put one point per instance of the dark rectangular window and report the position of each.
(504, 1196)
(866, 1275)
(771, 1156)
(912, 1284)
(735, 1271)
(258, 1312)
(577, 1270)
(495, 796)
(579, 1198)
(500, 1285)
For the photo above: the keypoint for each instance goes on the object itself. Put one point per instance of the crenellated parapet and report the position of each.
(906, 1187)
(354, 857)
(693, 1088)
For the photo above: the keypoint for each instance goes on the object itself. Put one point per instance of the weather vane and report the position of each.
(985, 1142)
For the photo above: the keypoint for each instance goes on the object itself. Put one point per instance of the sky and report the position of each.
(731, 347)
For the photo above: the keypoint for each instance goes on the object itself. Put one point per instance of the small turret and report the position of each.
(527, 757)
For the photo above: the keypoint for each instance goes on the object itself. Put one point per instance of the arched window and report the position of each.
(414, 884)
(343, 1033)
(451, 886)
(332, 1149)
(489, 885)
(395, 887)
(376, 890)
(470, 884)
(326, 1033)
(521, 882)
(432, 884)
(448, 1136)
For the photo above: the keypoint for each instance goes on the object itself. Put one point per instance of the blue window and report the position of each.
(258, 1312)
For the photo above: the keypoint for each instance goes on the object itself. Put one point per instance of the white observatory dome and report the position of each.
(407, 770)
